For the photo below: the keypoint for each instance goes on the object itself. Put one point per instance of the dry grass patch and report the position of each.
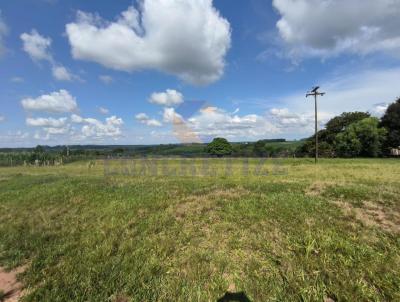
(371, 214)
(195, 205)
(318, 188)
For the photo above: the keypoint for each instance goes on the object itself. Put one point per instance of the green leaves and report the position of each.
(362, 138)
(219, 147)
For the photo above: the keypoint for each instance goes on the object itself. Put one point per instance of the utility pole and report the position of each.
(314, 92)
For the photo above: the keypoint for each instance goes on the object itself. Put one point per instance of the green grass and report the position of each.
(312, 233)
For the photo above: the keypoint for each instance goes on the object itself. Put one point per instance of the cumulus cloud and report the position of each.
(95, 129)
(2, 118)
(284, 118)
(3, 33)
(188, 39)
(106, 79)
(145, 119)
(325, 28)
(46, 122)
(55, 102)
(168, 98)
(36, 46)
(141, 116)
(170, 116)
(76, 119)
(213, 122)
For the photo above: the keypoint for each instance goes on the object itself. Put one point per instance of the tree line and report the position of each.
(357, 134)
(351, 134)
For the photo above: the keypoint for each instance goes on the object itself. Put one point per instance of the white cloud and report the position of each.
(213, 122)
(95, 129)
(106, 79)
(103, 110)
(36, 46)
(141, 116)
(185, 38)
(46, 122)
(3, 33)
(56, 131)
(2, 118)
(13, 138)
(49, 127)
(153, 123)
(285, 118)
(325, 28)
(55, 102)
(379, 109)
(61, 73)
(168, 98)
(76, 119)
(170, 116)
(145, 119)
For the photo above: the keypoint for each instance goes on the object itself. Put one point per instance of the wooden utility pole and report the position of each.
(314, 92)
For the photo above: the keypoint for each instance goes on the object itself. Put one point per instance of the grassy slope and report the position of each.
(278, 237)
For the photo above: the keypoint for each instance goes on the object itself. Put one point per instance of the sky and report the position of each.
(179, 71)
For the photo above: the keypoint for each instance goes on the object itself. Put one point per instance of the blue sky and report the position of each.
(168, 71)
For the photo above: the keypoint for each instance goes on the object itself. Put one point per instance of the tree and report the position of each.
(327, 136)
(391, 122)
(347, 143)
(362, 138)
(219, 147)
(39, 149)
(259, 148)
(341, 122)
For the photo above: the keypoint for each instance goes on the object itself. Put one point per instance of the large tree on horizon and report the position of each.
(219, 147)
(391, 122)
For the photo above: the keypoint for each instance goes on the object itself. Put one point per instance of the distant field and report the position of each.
(296, 233)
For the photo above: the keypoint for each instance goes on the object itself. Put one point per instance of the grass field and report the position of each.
(305, 234)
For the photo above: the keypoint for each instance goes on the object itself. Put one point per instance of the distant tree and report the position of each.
(362, 138)
(219, 147)
(65, 151)
(118, 150)
(259, 148)
(391, 121)
(39, 149)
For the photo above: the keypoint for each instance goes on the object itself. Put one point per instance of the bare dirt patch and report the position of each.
(371, 214)
(9, 285)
